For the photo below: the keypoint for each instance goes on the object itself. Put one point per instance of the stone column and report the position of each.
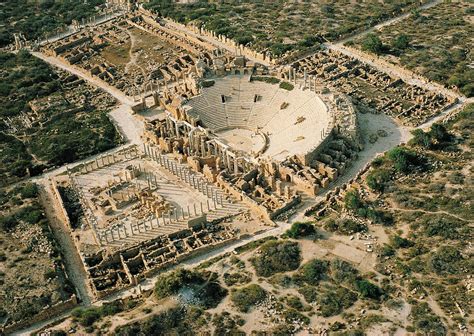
(236, 166)
(305, 77)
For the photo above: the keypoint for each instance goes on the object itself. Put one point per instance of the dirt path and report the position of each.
(133, 55)
(121, 97)
(70, 256)
(432, 212)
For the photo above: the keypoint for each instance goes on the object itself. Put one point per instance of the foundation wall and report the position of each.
(45, 314)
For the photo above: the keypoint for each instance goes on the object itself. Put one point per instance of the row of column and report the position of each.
(109, 159)
(88, 213)
(193, 180)
(292, 76)
(124, 230)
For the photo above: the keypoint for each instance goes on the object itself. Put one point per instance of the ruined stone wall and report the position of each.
(230, 43)
(59, 203)
(45, 314)
(295, 200)
(406, 72)
(309, 157)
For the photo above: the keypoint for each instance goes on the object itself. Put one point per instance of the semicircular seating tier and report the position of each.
(294, 121)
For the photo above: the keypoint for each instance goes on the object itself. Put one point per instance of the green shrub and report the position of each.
(87, 317)
(300, 229)
(170, 283)
(446, 260)
(387, 251)
(240, 278)
(286, 86)
(352, 200)
(207, 83)
(400, 242)
(50, 274)
(377, 179)
(424, 320)
(254, 244)
(30, 214)
(29, 190)
(294, 302)
(211, 294)
(310, 293)
(275, 257)
(368, 289)
(7, 223)
(226, 324)
(292, 315)
(342, 271)
(266, 79)
(313, 271)
(333, 302)
(344, 226)
(401, 42)
(373, 43)
(246, 297)
(174, 321)
(404, 160)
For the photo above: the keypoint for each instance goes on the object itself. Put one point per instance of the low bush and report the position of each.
(286, 86)
(275, 257)
(342, 271)
(87, 317)
(266, 79)
(334, 301)
(310, 293)
(448, 260)
(246, 297)
(344, 226)
(170, 283)
(368, 289)
(300, 229)
(313, 271)
(424, 320)
(211, 294)
(377, 179)
(174, 321)
(207, 83)
(400, 242)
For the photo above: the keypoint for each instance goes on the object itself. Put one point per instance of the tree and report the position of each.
(401, 42)
(368, 289)
(400, 242)
(352, 200)
(246, 297)
(7, 223)
(299, 229)
(373, 44)
(276, 257)
(314, 271)
(446, 260)
(170, 283)
(439, 133)
(29, 190)
(403, 159)
(421, 138)
(377, 179)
